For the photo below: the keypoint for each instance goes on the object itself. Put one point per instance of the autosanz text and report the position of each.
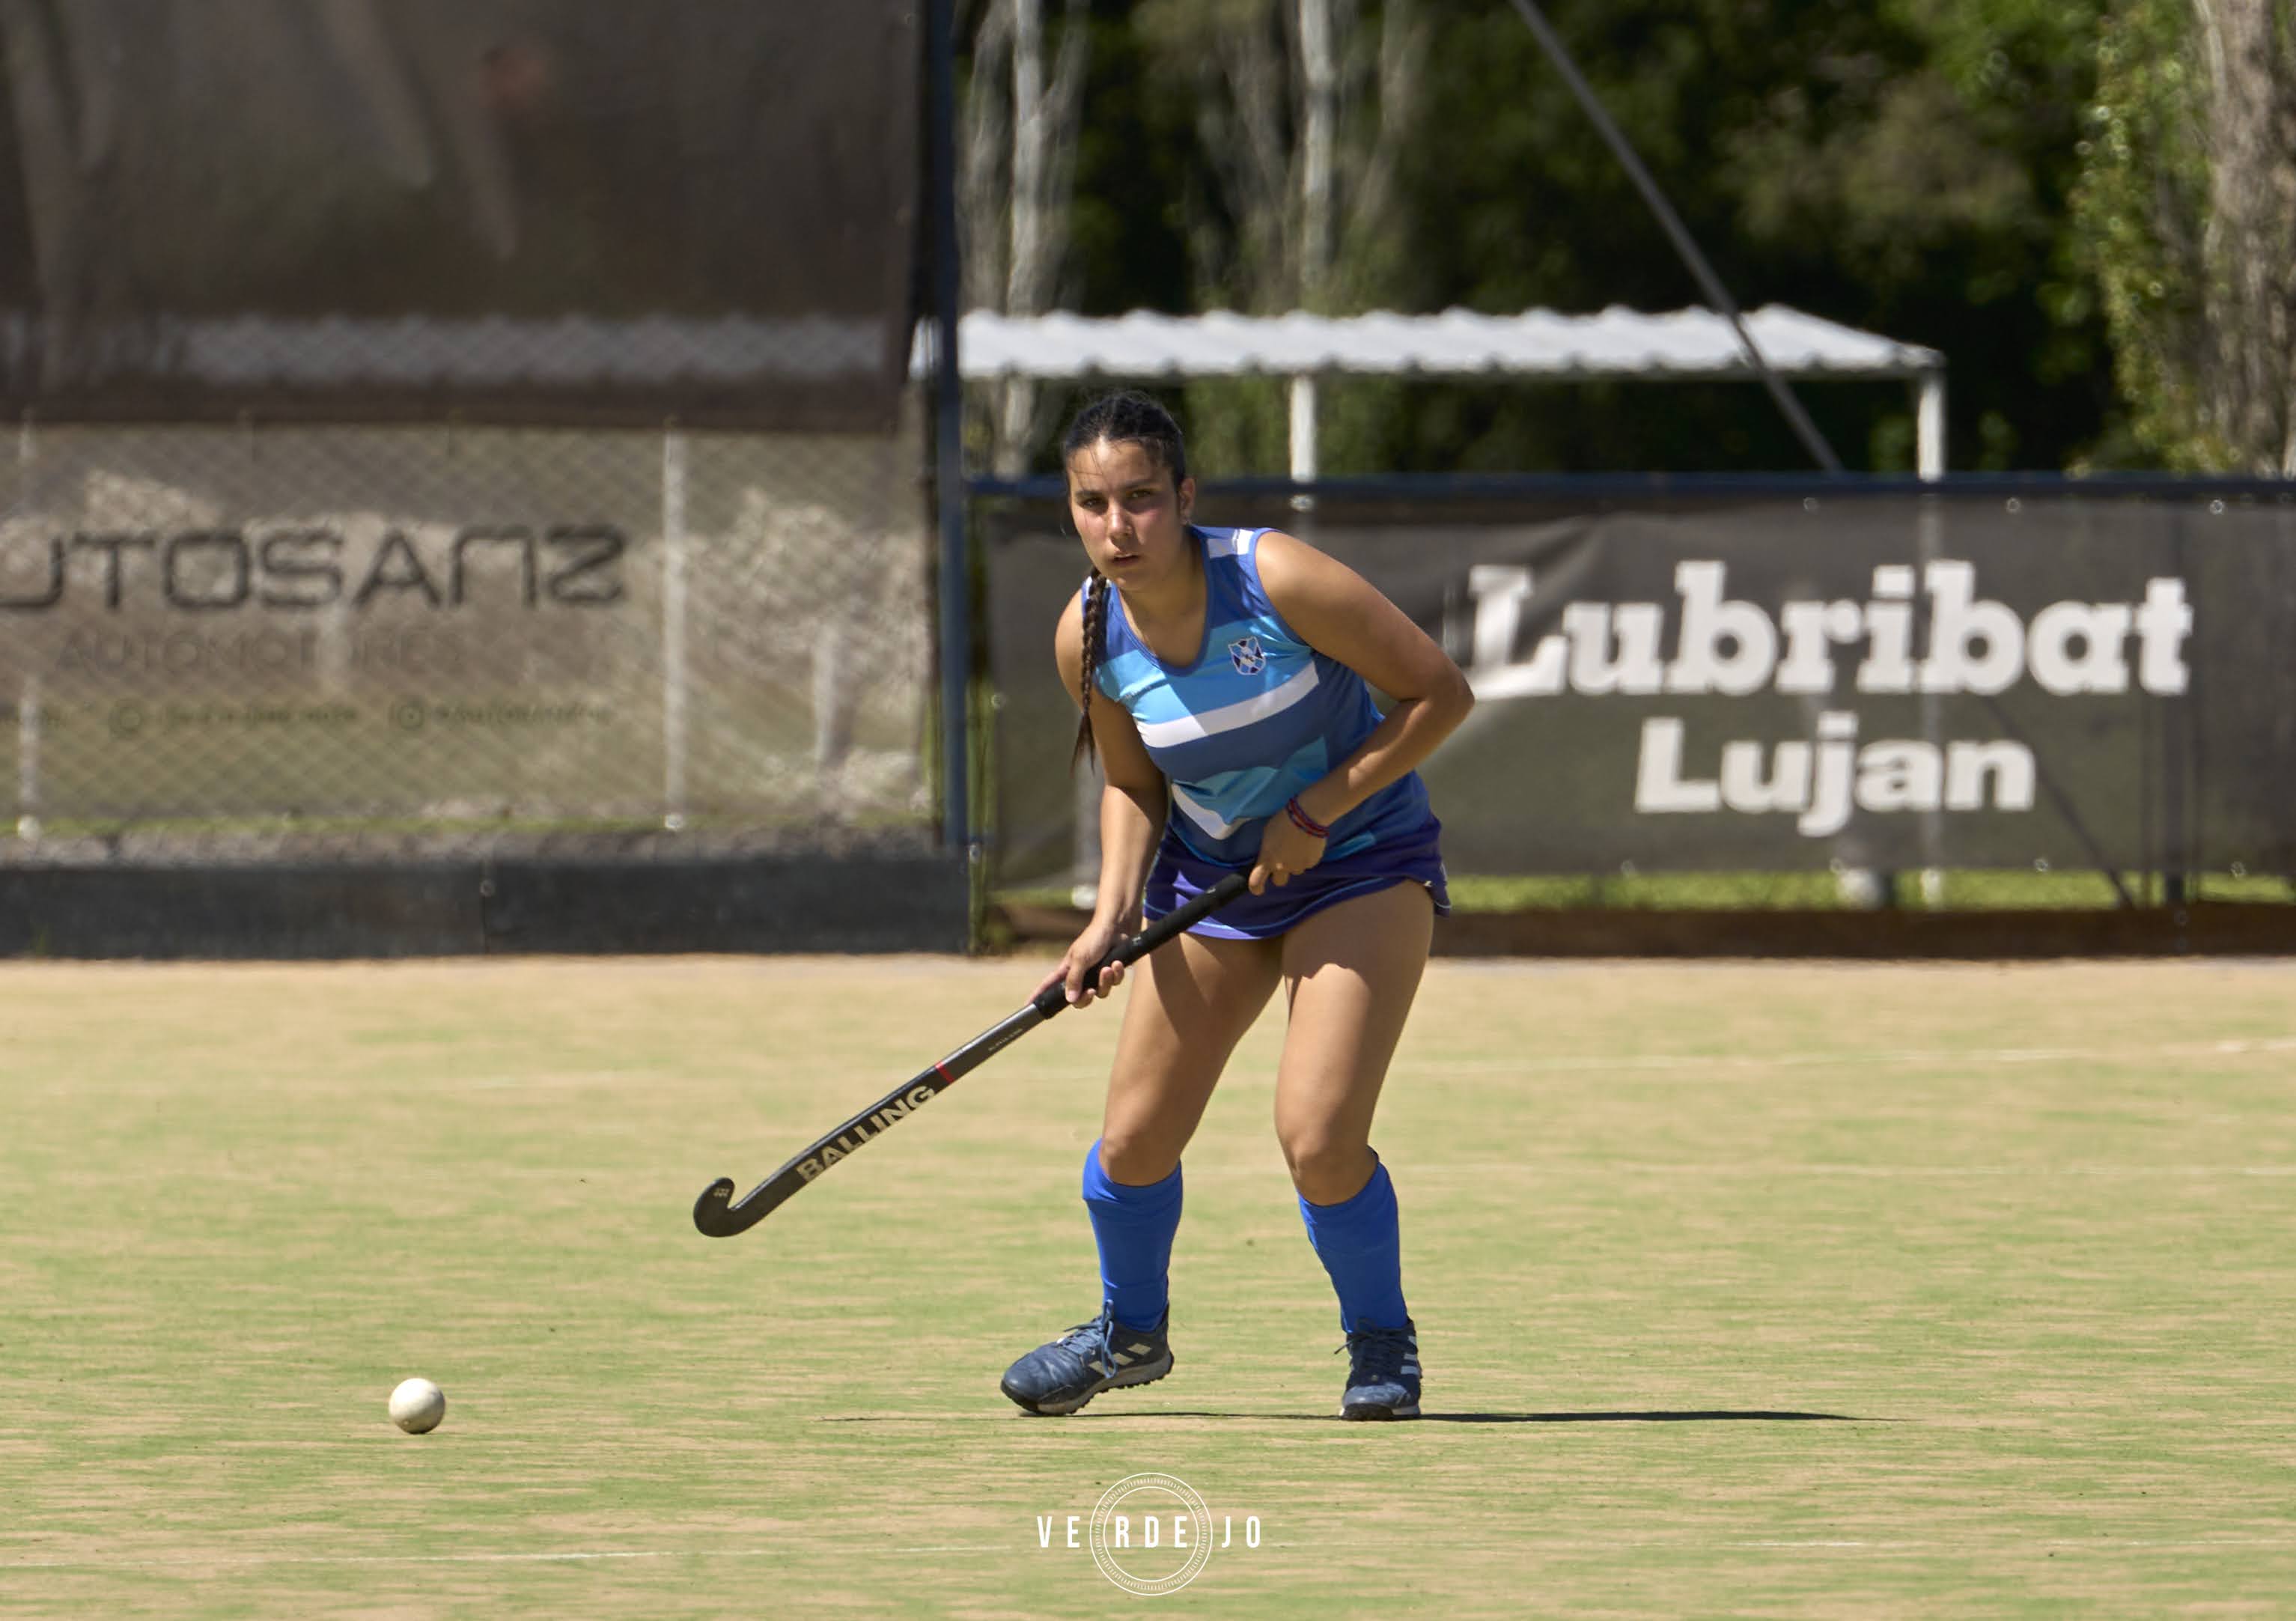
(573, 564)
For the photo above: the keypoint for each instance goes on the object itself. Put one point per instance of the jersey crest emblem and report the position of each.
(1250, 657)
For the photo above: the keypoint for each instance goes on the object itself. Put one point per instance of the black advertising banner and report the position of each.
(1881, 682)
(545, 210)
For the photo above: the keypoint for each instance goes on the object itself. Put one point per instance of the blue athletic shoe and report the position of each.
(1103, 1354)
(1383, 1374)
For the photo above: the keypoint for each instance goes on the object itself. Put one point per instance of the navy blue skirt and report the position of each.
(1179, 876)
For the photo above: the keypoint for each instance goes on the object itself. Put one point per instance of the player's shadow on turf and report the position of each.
(1690, 1416)
(1700, 1416)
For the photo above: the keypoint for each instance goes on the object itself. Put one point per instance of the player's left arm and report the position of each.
(1345, 617)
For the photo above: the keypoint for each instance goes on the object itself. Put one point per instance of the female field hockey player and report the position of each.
(1224, 676)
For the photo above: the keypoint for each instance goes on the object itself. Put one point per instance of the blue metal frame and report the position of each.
(955, 583)
(1437, 487)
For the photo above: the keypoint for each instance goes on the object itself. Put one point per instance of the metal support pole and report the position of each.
(28, 701)
(1928, 547)
(1085, 788)
(1928, 425)
(955, 574)
(673, 629)
(1303, 439)
(28, 759)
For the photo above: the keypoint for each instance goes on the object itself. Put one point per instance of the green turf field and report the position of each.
(1779, 1291)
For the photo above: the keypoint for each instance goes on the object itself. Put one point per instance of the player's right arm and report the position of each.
(1132, 811)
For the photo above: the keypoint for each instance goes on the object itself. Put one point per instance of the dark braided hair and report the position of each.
(1096, 632)
(1122, 418)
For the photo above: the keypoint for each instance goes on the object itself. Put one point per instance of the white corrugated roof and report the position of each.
(1458, 342)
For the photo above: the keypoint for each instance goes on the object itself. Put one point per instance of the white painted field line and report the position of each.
(1948, 1056)
(1018, 1547)
(239, 1559)
(1784, 1168)
(2092, 1544)
(1531, 1064)
(2099, 1544)
(577, 1556)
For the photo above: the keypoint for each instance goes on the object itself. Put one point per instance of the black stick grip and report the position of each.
(1053, 998)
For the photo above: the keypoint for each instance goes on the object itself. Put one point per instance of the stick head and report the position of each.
(712, 1211)
(720, 1215)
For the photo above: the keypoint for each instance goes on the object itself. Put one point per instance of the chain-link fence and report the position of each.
(250, 642)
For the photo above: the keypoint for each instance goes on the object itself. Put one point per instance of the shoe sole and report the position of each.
(1146, 1375)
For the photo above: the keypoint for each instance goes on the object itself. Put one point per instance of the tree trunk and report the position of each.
(2249, 254)
(1044, 166)
(1304, 180)
(1319, 94)
(1020, 147)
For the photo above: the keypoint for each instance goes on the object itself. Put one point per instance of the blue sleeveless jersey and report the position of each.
(1257, 717)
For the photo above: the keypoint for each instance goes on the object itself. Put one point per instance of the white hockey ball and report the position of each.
(417, 1406)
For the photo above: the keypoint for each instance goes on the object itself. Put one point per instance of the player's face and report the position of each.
(1127, 512)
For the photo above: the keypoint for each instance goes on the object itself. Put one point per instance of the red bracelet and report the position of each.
(1304, 822)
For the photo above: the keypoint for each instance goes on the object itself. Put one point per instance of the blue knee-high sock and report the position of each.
(1360, 1243)
(1134, 1226)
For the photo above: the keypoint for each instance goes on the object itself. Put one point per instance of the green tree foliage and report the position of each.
(1901, 167)
(2186, 211)
(2141, 211)
(1905, 166)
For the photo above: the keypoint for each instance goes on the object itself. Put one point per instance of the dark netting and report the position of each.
(249, 641)
(530, 210)
(555, 488)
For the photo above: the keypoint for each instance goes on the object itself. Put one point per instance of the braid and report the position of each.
(1096, 630)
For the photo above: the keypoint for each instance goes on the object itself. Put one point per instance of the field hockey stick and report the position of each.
(719, 1216)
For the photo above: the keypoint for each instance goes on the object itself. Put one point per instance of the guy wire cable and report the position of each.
(1679, 234)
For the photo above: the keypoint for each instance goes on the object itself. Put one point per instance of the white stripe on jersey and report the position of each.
(1188, 729)
(1203, 815)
